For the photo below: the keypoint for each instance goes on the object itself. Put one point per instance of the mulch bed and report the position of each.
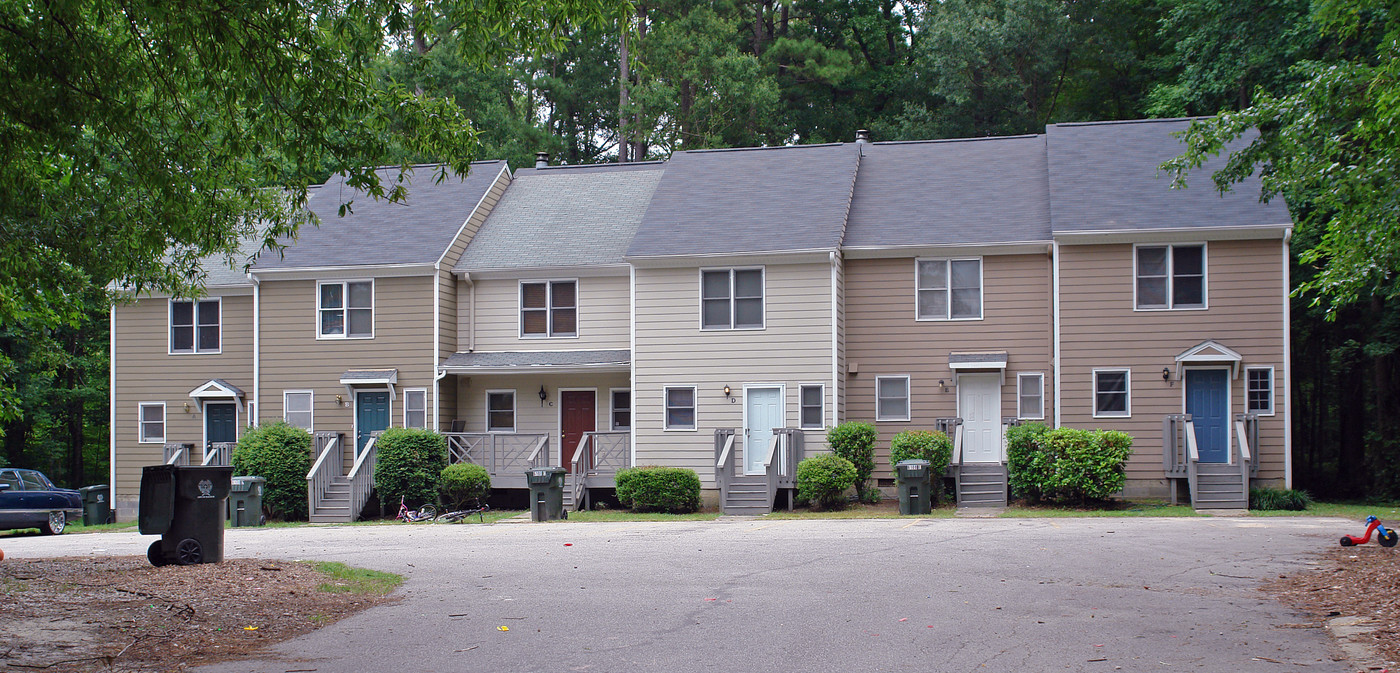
(122, 614)
(1352, 582)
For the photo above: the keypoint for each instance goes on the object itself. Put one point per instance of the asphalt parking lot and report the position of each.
(802, 595)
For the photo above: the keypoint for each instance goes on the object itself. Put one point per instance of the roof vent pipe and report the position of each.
(541, 159)
(862, 137)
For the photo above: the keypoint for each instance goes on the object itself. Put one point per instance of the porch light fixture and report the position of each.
(339, 400)
(1167, 376)
(543, 395)
(726, 392)
(187, 407)
(942, 386)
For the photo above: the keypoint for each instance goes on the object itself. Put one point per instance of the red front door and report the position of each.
(579, 414)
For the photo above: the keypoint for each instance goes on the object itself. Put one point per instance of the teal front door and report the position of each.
(220, 422)
(371, 415)
(1208, 402)
(763, 411)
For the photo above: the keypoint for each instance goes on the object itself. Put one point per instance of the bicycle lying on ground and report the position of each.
(426, 513)
(456, 516)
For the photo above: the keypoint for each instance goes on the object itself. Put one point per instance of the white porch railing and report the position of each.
(499, 453)
(177, 453)
(361, 476)
(324, 471)
(219, 454)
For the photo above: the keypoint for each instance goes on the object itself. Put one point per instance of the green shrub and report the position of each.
(1028, 468)
(659, 489)
(855, 441)
(1067, 464)
(935, 447)
(281, 454)
(1269, 499)
(462, 483)
(870, 495)
(824, 479)
(408, 462)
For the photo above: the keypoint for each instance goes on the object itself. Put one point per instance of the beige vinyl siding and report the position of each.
(883, 338)
(532, 417)
(1100, 329)
(793, 348)
(145, 372)
(294, 359)
(602, 315)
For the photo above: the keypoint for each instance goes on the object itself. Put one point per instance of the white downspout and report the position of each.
(632, 343)
(1286, 364)
(112, 405)
(437, 342)
(835, 351)
(1055, 304)
(256, 417)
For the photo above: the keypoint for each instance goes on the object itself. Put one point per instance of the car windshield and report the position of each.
(33, 481)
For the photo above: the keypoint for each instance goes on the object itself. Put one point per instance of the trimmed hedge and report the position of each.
(462, 483)
(824, 480)
(408, 463)
(659, 489)
(855, 441)
(1270, 499)
(935, 447)
(1067, 464)
(281, 454)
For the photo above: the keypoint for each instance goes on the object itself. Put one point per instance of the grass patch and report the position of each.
(1121, 509)
(100, 527)
(887, 509)
(625, 515)
(1388, 513)
(345, 579)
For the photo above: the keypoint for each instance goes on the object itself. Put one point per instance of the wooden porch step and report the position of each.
(982, 485)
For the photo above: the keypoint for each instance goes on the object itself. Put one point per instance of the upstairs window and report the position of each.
(346, 310)
(731, 299)
(194, 326)
(948, 289)
(1171, 276)
(549, 309)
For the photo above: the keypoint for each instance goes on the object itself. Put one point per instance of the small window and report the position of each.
(500, 411)
(948, 289)
(813, 407)
(1030, 396)
(549, 309)
(296, 409)
(680, 408)
(415, 408)
(12, 478)
(1111, 393)
(731, 299)
(1260, 390)
(33, 481)
(346, 310)
(152, 423)
(1171, 276)
(892, 398)
(621, 410)
(194, 326)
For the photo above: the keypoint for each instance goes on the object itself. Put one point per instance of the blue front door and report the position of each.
(371, 415)
(1208, 401)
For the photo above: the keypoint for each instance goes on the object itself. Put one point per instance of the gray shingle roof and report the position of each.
(749, 200)
(416, 231)
(564, 216)
(985, 190)
(539, 359)
(225, 271)
(1104, 177)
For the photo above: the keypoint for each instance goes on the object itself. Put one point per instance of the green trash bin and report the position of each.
(913, 480)
(546, 493)
(97, 504)
(185, 506)
(245, 502)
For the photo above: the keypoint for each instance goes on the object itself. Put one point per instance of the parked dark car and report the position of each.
(29, 500)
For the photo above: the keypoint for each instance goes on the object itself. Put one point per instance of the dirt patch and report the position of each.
(122, 614)
(1361, 583)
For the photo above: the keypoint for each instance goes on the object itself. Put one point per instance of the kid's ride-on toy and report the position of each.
(1387, 538)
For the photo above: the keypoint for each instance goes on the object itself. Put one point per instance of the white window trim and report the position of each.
(1171, 257)
(908, 399)
(514, 410)
(665, 419)
(406, 393)
(141, 423)
(1021, 413)
(548, 308)
(981, 288)
(312, 406)
(194, 316)
(821, 425)
(1273, 392)
(1127, 388)
(345, 299)
(612, 410)
(763, 281)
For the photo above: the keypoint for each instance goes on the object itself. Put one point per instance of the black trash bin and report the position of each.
(546, 493)
(97, 504)
(912, 478)
(185, 506)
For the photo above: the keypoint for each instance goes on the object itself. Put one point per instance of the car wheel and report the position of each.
(154, 555)
(188, 552)
(56, 523)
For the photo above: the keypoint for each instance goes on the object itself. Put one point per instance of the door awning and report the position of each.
(369, 378)
(217, 390)
(1212, 352)
(967, 360)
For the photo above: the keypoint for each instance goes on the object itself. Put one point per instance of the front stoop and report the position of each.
(747, 496)
(982, 485)
(1219, 486)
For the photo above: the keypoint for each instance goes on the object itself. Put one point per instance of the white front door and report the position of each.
(763, 411)
(979, 405)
